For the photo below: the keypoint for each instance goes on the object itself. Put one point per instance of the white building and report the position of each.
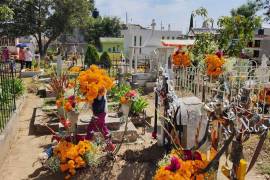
(140, 42)
(260, 44)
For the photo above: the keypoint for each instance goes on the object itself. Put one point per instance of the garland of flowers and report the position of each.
(264, 96)
(181, 59)
(214, 65)
(182, 165)
(94, 82)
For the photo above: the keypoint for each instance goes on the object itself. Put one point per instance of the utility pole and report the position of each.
(126, 18)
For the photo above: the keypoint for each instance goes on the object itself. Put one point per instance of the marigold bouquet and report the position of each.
(182, 165)
(181, 59)
(72, 157)
(94, 82)
(214, 65)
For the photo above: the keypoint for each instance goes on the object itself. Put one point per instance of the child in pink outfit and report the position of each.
(97, 124)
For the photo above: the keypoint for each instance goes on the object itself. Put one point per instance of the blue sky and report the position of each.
(174, 12)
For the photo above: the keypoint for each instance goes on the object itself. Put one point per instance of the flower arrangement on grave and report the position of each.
(69, 157)
(93, 81)
(181, 59)
(129, 97)
(184, 165)
(264, 96)
(214, 65)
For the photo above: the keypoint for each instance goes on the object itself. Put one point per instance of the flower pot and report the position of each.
(73, 116)
(125, 108)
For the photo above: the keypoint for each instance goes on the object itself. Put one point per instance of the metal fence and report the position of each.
(7, 93)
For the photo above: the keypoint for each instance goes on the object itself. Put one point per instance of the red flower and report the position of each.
(219, 54)
(174, 166)
(154, 135)
(131, 93)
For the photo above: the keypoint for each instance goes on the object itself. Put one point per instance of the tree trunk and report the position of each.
(40, 46)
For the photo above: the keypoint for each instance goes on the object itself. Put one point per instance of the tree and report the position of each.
(264, 5)
(46, 20)
(247, 10)
(205, 43)
(238, 29)
(91, 56)
(105, 60)
(6, 14)
(103, 27)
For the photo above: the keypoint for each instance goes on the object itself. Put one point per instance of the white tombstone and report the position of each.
(262, 72)
(59, 65)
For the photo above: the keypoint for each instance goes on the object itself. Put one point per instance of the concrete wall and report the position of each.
(150, 39)
(8, 135)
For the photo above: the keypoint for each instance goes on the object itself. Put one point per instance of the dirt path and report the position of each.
(135, 161)
(26, 146)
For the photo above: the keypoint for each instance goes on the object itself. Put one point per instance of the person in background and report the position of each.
(28, 58)
(5, 54)
(22, 57)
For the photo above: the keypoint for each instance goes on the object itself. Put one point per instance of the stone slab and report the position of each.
(40, 118)
(131, 134)
(112, 122)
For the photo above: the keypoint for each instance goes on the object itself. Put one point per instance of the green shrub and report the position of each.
(139, 105)
(105, 60)
(91, 56)
(9, 88)
(118, 91)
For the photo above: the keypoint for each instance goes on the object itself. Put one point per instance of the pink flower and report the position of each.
(174, 166)
(71, 98)
(219, 54)
(154, 135)
(131, 93)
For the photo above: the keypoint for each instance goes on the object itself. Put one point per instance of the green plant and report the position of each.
(118, 91)
(105, 60)
(139, 105)
(91, 56)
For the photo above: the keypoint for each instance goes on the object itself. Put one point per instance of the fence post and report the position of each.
(156, 115)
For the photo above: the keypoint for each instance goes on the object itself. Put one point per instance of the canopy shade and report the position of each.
(178, 43)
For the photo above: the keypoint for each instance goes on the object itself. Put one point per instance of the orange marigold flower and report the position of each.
(68, 106)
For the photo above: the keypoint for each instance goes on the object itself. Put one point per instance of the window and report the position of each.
(257, 43)
(168, 37)
(261, 32)
(118, 48)
(250, 44)
(113, 49)
(140, 50)
(163, 37)
(110, 50)
(140, 40)
(256, 53)
(135, 39)
(173, 37)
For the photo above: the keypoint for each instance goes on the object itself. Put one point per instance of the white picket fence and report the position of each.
(192, 81)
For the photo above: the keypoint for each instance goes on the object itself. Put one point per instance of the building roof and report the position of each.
(196, 31)
(111, 40)
(176, 43)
